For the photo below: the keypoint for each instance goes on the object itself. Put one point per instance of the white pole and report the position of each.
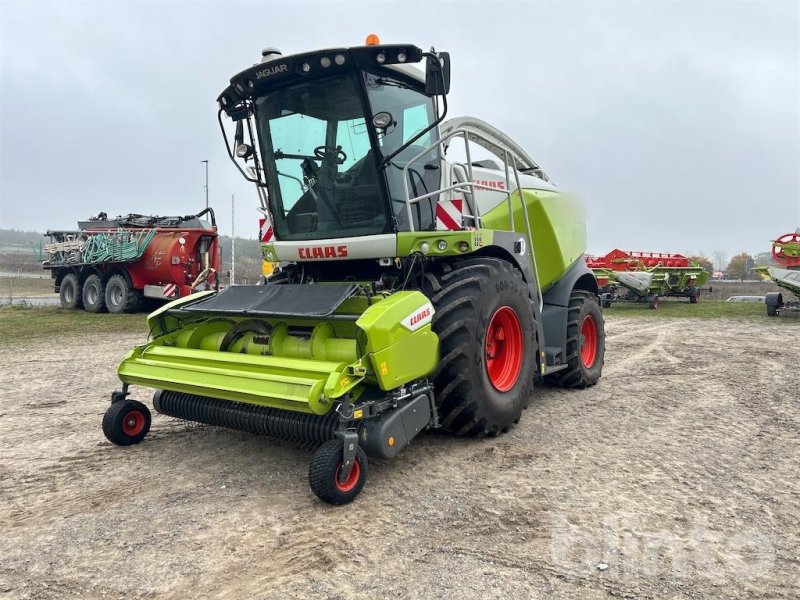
(206, 186)
(233, 243)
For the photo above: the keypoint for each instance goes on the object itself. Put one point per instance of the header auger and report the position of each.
(416, 289)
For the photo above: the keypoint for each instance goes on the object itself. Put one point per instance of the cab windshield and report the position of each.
(321, 170)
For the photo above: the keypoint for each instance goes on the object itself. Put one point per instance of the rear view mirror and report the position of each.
(238, 139)
(437, 75)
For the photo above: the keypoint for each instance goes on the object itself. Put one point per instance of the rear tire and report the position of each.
(70, 292)
(120, 296)
(323, 474)
(586, 343)
(487, 341)
(94, 294)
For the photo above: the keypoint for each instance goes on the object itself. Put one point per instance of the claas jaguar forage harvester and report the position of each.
(417, 288)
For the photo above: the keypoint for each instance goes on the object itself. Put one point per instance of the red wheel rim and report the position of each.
(133, 423)
(589, 345)
(503, 349)
(352, 479)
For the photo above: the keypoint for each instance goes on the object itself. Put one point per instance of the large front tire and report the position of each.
(586, 343)
(488, 346)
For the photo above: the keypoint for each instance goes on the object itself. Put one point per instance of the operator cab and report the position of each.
(331, 134)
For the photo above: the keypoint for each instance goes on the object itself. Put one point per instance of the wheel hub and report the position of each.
(133, 423)
(504, 349)
(352, 479)
(588, 341)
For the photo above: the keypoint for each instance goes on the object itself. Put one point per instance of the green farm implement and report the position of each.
(646, 276)
(786, 252)
(418, 287)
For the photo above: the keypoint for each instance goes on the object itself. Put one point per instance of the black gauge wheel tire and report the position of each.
(126, 422)
(323, 474)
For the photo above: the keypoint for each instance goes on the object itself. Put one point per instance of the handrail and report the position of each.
(463, 187)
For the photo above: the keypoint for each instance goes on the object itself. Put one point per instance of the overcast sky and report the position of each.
(678, 122)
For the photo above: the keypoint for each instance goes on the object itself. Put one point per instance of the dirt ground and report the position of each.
(677, 476)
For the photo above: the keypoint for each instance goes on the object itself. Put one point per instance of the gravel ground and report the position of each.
(676, 476)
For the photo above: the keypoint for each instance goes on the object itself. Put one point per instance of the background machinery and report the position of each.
(785, 252)
(112, 264)
(418, 287)
(626, 276)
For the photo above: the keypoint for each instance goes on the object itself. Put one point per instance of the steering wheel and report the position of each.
(321, 152)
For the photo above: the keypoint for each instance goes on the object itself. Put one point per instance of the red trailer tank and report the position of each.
(112, 264)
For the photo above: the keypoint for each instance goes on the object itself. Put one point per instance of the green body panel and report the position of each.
(289, 383)
(558, 225)
(289, 363)
(399, 355)
(409, 242)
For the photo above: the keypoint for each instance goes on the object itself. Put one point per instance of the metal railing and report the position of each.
(467, 188)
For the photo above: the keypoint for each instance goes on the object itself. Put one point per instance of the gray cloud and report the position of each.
(678, 122)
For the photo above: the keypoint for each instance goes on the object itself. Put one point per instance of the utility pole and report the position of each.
(206, 186)
(233, 242)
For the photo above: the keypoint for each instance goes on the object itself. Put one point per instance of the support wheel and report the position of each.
(653, 302)
(120, 296)
(774, 302)
(605, 300)
(94, 300)
(488, 345)
(694, 295)
(323, 474)
(126, 422)
(586, 343)
(70, 292)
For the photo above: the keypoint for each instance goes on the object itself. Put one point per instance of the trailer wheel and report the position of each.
(586, 343)
(120, 296)
(94, 300)
(323, 474)
(70, 292)
(487, 339)
(126, 422)
(774, 302)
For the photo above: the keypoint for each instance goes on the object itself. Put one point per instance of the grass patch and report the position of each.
(20, 324)
(750, 311)
(26, 287)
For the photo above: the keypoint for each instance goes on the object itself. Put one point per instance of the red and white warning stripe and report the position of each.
(265, 232)
(449, 214)
(170, 289)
